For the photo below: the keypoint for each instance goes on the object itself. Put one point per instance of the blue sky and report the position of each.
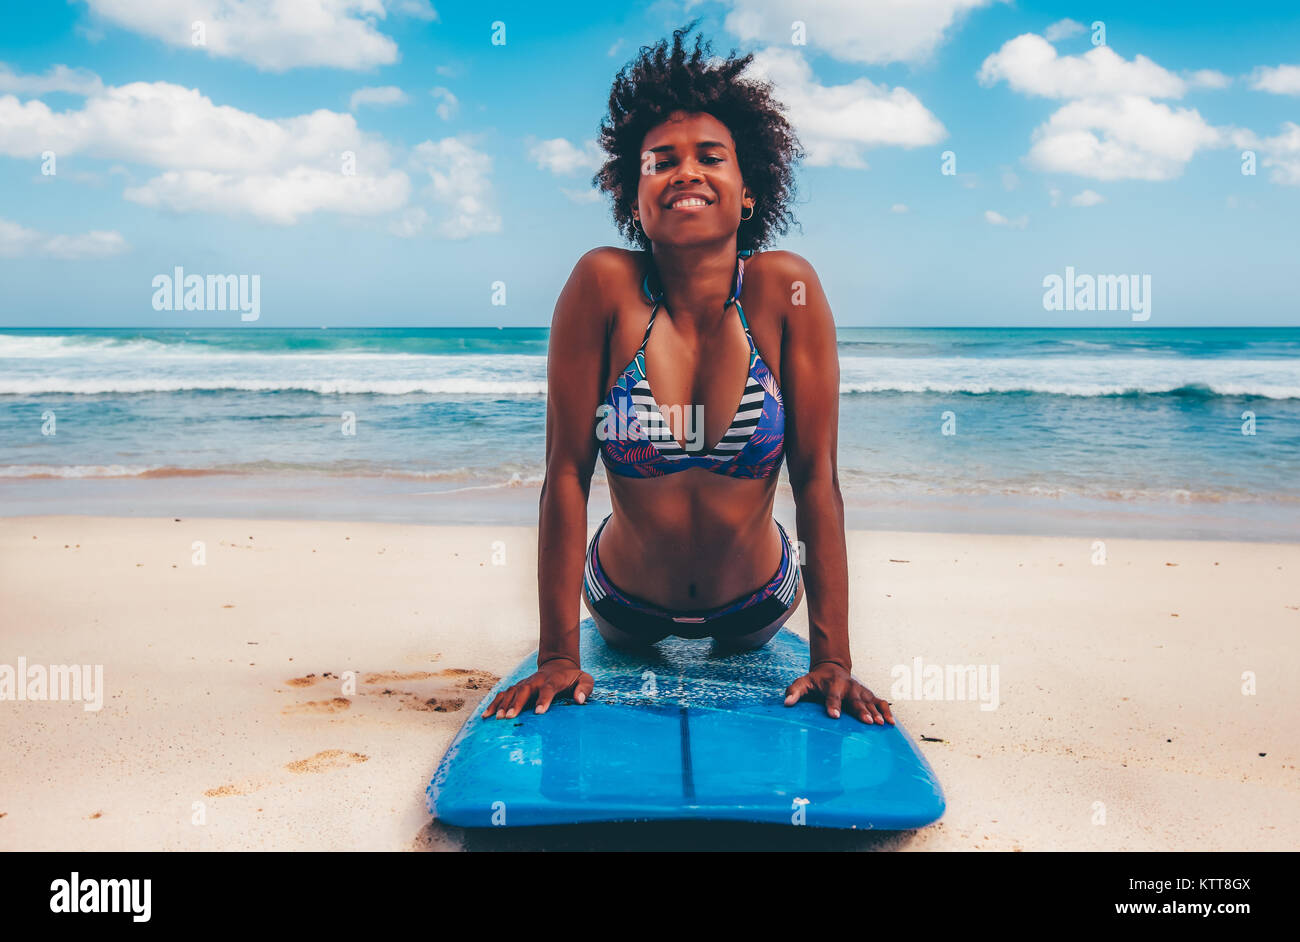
(1119, 158)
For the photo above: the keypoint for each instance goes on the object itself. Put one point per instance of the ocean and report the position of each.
(1179, 423)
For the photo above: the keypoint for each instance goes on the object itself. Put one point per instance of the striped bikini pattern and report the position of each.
(658, 432)
(751, 447)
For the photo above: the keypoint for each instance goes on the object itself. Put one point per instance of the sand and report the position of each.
(229, 720)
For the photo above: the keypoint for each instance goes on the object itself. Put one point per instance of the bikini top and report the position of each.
(637, 442)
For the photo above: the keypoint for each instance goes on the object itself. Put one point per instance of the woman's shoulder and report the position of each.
(612, 272)
(778, 278)
(779, 265)
(611, 260)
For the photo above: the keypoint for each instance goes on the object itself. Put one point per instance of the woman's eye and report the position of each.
(659, 165)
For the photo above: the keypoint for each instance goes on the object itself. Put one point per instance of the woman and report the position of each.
(704, 368)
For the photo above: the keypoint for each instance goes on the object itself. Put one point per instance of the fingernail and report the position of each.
(835, 713)
(582, 698)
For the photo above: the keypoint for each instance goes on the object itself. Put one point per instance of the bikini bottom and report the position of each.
(743, 616)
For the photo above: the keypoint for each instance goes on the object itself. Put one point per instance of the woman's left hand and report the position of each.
(834, 685)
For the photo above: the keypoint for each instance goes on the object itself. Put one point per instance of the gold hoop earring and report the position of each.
(744, 218)
(636, 227)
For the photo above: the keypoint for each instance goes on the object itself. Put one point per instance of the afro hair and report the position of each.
(662, 80)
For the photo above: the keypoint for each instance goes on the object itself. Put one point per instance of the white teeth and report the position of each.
(690, 201)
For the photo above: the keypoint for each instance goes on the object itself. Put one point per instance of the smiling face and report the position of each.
(693, 191)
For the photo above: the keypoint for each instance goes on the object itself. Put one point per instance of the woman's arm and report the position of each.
(810, 386)
(576, 366)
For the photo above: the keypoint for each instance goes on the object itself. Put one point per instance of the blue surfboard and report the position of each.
(676, 732)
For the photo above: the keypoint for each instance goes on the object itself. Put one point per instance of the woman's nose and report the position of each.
(686, 170)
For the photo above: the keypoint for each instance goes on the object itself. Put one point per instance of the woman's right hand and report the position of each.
(556, 676)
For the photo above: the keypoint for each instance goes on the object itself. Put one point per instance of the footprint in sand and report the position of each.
(434, 704)
(470, 679)
(337, 705)
(326, 761)
(441, 693)
(461, 678)
(383, 677)
(246, 787)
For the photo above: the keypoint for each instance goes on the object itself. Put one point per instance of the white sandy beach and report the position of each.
(225, 723)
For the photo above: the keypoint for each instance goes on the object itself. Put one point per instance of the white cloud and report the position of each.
(1208, 78)
(1280, 80)
(581, 196)
(219, 159)
(1111, 129)
(17, 241)
(448, 104)
(875, 32)
(1064, 29)
(1121, 138)
(835, 123)
(381, 95)
(562, 158)
(997, 219)
(274, 35)
(215, 158)
(1055, 195)
(416, 9)
(1030, 65)
(1280, 153)
(58, 79)
(280, 198)
(898, 208)
(459, 185)
(174, 127)
(1087, 198)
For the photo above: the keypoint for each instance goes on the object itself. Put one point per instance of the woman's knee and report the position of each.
(765, 634)
(751, 641)
(617, 637)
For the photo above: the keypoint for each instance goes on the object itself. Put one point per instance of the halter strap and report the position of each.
(656, 298)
